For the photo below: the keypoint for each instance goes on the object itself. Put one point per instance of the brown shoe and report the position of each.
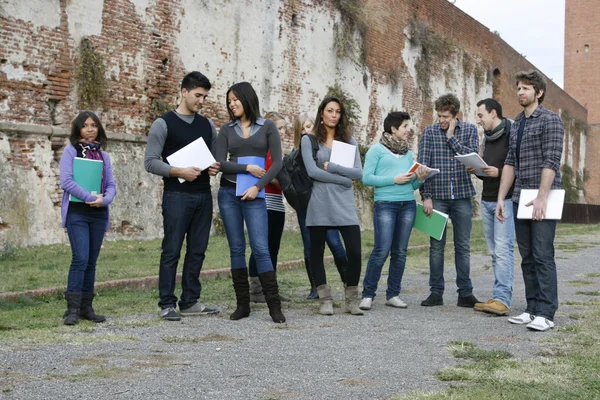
(481, 306)
(495, 307)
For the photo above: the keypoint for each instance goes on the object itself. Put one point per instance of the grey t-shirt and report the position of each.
(157, 136)
(332, 199)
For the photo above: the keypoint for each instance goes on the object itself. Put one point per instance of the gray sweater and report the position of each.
(258, 144)
(332, 199)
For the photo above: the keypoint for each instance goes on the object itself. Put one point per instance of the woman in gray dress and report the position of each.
(331, 205)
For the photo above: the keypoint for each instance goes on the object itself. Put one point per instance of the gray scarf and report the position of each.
(495, 133)
(394, 145)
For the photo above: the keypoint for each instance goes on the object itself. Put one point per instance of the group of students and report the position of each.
(187, 203)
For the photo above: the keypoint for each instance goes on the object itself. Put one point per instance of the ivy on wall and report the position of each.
(90, 75)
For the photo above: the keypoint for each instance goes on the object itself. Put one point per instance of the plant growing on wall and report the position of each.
(90, 75)
(353, 20)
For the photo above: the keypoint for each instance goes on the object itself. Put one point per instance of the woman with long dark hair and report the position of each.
(331, 205)
(85, 214)
(248, 135)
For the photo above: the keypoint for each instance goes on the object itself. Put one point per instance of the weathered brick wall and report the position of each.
(291, 51)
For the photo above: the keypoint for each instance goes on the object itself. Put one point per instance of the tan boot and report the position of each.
(352, 300)
(325, 300)
(256, 292)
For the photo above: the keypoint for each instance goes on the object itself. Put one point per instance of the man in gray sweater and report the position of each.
(187, 206)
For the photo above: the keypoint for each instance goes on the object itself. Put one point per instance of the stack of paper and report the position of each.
(195, 154)
(433, 226)
(473, 160)
(87, 174)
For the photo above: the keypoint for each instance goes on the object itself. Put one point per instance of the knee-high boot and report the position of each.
(242, 293)
(268, 281)
(313, 288)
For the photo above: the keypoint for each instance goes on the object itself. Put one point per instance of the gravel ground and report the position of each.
(388, 351)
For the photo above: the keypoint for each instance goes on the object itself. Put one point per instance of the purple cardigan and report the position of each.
(70, 187)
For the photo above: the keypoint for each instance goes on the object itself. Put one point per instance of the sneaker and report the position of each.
(395, 302)
(365, 304)
(540, 324)
(524, 318)
(170, 314)
(434, 299)
(198, 309)
(467, 301)
(493, 307)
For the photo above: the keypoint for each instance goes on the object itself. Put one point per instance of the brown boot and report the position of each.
(268, 281)
(242, 293)
(352, 300)
(325, 300)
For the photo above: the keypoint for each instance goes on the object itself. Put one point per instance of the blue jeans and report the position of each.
(536, 245)
(393, 221)
(234, 212)
(86, 233)
(500, 238)
(461, 213)
(185, 216)
(333, 240)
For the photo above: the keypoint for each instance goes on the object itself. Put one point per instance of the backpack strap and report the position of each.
(315, 145)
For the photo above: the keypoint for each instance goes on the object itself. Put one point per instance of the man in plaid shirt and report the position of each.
(535, 150)
(450, 192)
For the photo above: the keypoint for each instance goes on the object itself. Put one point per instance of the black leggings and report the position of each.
(275, 224)
(351, 236)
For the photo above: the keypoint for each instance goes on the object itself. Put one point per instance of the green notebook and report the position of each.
(433, 226)
(87, 174)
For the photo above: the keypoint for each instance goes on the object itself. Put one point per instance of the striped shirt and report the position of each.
(273, 192)
(437, 151)
(541, 147)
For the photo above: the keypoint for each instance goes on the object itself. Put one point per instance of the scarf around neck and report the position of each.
(495, 133)
(395, 146)
(92, 151)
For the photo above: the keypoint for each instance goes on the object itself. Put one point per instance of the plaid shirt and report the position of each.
(541, 147)
(436, 151)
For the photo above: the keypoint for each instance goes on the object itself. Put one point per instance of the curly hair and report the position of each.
(534, 78)
(448, 102)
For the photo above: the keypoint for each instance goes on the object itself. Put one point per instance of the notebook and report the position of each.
(433, 226)
(246, 180)
(554, 203)
(87, 173)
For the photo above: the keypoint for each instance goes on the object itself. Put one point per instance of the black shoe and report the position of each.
(467, 301)
(313, 294)
(434, 299)
(169, 314)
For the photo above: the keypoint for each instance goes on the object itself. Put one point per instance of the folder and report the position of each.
(195, 154)
(433, 226)
(246, 180)
(554, 203)
(87, 174)
(343, 154)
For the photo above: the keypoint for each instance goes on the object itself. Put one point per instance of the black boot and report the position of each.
(268, 281)
(313, 288)
(342, 266)
(242, 293)
(73, 305)
(86, 311)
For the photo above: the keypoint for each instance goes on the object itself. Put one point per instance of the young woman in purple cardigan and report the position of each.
(85, 221)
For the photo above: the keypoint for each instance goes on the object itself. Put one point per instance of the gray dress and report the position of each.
(332, 199)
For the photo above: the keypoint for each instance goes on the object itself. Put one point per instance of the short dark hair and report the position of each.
(247, 96)
(448, 102)
(534, 78)
(491, 104)
(394, 119)
(78, 123)
(342, 132)
(195, 80)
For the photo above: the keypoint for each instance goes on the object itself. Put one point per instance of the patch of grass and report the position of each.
(592, 275)
(213, 337)
(596, 293)
(470, 351)
(103, 372)
(580, 283)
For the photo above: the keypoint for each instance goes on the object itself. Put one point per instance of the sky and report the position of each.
(541, 40)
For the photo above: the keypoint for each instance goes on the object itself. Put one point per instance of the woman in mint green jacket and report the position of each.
(386, 168)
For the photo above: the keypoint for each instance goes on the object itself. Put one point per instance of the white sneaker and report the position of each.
(524, 318)
(540, 324)
(395, 302)
(365, 304)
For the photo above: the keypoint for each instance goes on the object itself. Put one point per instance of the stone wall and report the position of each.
(385, 54)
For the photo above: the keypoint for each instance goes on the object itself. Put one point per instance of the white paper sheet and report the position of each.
(554, 203)
(343, 154)
(473, 160)
(195, 154)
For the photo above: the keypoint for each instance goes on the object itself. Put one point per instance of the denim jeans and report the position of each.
(333, 240)
(393, 222)
(234, 212)
(275, 224)
(86, 233)
(461, 213)
(536, 245)
(185, 216)
(500, 238)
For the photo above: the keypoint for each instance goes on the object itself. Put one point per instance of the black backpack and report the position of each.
(293, 178)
